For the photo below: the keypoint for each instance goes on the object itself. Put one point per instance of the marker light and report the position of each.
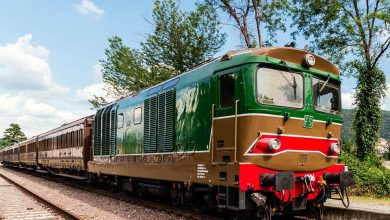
(274, 144)
(310, 60)
(335, 148)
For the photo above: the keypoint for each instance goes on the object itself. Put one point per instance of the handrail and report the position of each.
(212, 133)
(235, 130)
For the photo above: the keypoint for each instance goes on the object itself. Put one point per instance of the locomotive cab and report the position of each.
(280, 120)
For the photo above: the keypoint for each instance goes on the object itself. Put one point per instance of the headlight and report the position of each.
(335, 148)
(274, 144)
(310, 60)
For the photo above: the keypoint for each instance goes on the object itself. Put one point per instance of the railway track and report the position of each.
(333, 213)
(21, 203)
(177, 212)
(130, 198)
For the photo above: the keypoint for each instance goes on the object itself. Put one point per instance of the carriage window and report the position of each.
(80, 137)
(281, 88)
(326, 96)
(226, 91)
(121, 119)
(137, 116)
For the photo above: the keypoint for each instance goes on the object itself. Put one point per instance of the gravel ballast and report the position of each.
(82, 203)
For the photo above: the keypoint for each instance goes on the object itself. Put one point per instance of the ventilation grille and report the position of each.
(97, 133)
(104, 133)
(106, 129)
(150, 124)
(159, 116)
(166, 111)
(113, 132)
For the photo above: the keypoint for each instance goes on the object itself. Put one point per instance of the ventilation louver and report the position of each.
(159, 118)
(150, 124)
(104, 133)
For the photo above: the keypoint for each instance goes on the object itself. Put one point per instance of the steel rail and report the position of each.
(62, 211)
(163, 207)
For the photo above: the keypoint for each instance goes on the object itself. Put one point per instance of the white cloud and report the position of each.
(99, 88)
(24, 65)
(87, 92)
(28, 94)
(34, 116)
(348, 100)
(88, 7)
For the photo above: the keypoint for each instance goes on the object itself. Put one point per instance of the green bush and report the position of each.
(371, 177)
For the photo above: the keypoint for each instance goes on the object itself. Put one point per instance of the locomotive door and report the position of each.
(224, 122)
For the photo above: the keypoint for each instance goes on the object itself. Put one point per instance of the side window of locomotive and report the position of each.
(279, 88)
(226, 90)
(326, 96)
(137, 116)
(121, 119)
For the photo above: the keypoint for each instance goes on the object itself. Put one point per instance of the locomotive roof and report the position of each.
(288, 54)
(292, 55)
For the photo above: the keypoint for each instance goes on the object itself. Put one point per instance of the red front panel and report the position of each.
(250, 179)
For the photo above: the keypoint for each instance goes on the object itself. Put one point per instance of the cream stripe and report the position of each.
(268, 115)
(294, 151)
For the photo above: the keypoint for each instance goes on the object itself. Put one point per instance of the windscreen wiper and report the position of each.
(294, 84)
(323, 86)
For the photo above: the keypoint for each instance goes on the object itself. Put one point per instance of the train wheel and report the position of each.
(141, 191)
(177, 198)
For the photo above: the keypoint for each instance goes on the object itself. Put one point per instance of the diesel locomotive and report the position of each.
(254, 131)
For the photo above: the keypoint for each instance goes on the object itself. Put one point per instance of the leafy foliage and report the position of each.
(371, 178)
(12, 135)
(125, 70)
(349, 34)
(344, 31)
(179, 41)
(368, 119)
(4, 143)
(268, 16)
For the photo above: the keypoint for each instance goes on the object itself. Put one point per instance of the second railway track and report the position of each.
(21, 203)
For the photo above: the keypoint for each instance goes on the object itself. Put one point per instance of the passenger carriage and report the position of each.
(66, 148)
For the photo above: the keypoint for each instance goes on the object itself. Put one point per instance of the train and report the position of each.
(254, 131)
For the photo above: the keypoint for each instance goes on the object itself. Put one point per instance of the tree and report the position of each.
(182, 39)
(355, 35)
(125, 70)
(13, 135)
(268, 15)
(4, 143)
(179, 41)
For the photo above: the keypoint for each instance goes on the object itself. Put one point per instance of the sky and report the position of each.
(50, 51)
